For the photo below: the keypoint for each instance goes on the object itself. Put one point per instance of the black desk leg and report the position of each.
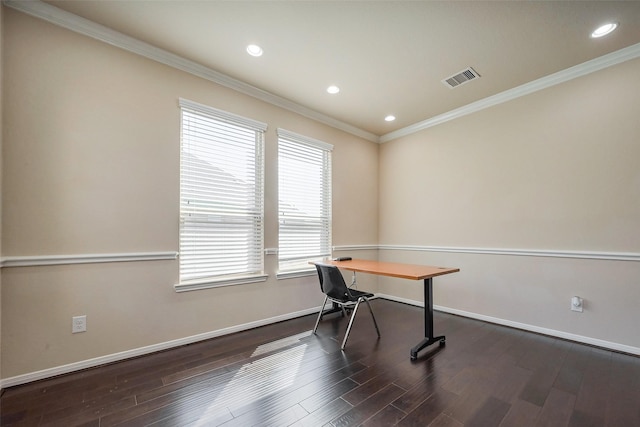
(428, 321)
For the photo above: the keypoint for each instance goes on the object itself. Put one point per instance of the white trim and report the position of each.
(141, 351)
(356, 248)
(302, 139)
(196, 285)
(294, 274)
(116, 357)
(225, 116)
(99, 32)
(104, 34)
(523, 326)
(613, 256)
(37, 261)
(571, 73)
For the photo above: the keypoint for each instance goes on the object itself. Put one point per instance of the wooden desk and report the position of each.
(405, 271)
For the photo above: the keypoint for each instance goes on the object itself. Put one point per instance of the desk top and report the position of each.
(393, 269)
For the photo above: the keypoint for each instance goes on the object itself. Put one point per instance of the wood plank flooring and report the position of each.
(282, 375)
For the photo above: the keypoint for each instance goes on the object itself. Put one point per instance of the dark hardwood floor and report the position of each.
(281, 375)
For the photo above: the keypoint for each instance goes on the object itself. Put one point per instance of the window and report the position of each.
(221, 198)
(304, 207)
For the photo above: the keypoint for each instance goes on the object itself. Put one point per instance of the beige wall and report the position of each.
(90, 166)
(1, 168)
(557, 170)
(91, 162)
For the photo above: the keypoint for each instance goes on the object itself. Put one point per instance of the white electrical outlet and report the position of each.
(577, 304)
(78, 324)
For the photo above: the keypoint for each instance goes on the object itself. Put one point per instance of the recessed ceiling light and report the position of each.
(333, 89)
(605, 29)
(254, 50)
(390, 118)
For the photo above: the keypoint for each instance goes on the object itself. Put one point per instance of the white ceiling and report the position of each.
(388, 57)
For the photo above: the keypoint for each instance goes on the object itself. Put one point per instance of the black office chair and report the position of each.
(335, 289)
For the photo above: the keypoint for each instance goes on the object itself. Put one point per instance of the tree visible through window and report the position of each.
(221, 195)
(304, 207)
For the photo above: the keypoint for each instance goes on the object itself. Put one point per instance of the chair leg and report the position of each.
(373, 317)
(353, 316)
(315, 328)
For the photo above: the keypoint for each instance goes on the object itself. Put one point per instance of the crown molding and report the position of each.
(571, 73)
(104, 34)
(99, 32)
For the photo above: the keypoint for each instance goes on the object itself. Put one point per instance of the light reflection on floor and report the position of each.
(281, 343)
(260, 378)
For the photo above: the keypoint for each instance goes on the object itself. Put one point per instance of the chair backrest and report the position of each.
(332, 283)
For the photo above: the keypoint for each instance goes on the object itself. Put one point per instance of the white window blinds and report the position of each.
(304, 207)
(221, 194)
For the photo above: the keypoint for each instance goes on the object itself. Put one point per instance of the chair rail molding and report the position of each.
(356, 248)
(43, 260)
(548, 253)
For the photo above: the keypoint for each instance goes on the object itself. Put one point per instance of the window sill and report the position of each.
(196, 285)
(296, 273)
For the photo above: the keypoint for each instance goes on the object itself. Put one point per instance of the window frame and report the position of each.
(254, 214)
(325, 150)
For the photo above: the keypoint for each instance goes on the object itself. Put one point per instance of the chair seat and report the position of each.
(335, 289)
(355, 296)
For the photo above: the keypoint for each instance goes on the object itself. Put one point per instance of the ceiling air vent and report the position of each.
(461, 78)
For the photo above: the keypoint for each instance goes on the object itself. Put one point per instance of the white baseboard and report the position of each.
(141, 351)
(116, 357)
(526, 327)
